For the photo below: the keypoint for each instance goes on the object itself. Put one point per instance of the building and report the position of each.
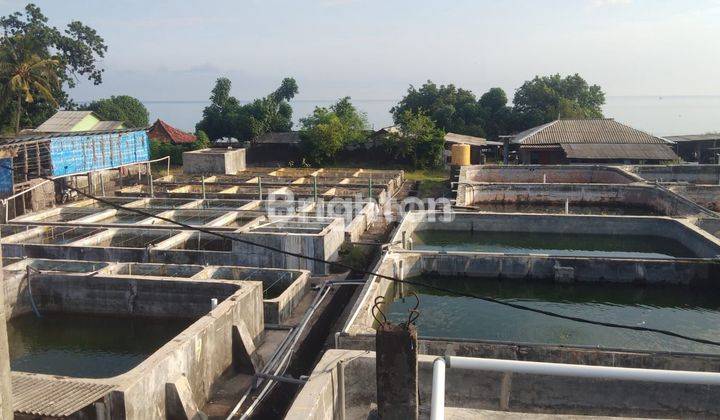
(590, 141)
(701, 148)
(26, 160)
(164, 132)
(480, 148)
(77, 121)
(273, 147)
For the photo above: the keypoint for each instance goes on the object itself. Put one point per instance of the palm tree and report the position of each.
(26, 77)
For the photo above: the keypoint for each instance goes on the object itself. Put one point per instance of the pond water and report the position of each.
(694, 312)
(86, 346)
(565, 244)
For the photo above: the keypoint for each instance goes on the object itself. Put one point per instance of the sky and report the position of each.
(174, 50)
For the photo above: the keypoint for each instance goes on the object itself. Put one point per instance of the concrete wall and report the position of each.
(214, 161)
(200, 353)
(563, 174)
(651, 197)
(6, 408)
(477, 390)
(694, 174)
(696, 240)
(707, 196)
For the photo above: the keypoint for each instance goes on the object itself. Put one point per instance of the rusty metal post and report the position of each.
(396, 367)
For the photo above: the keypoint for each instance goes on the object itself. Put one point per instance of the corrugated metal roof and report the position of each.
(465, 139)
(619, 151)
(108, 125)
(587, 131)
(53, 397)
(290, 137)
(62, 121)
(694, 137)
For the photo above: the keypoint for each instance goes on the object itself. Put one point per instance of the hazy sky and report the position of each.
(172, 50)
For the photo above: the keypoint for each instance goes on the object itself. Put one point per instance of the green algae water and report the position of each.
(86, 346)
(565, 244)
(694, 312)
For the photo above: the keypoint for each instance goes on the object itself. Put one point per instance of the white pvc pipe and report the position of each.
(437, 402)
(584, 371)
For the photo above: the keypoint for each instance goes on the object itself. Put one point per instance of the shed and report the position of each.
(591, 140)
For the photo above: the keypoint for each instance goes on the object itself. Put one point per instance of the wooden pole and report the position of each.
(396, 368)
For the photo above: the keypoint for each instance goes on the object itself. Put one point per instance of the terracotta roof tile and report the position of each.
(176, 135)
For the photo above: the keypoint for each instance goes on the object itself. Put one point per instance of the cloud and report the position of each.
(338, 3)
(609, 3)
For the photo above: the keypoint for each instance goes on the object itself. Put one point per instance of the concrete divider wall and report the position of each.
(638, 196)
(564, 174)
(478, 390)
(694, 174)
(696, 240)
(704, 195)
(127, 297)
(201, 353)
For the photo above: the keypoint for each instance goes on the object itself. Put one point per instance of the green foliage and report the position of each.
(160, 149)
(202, 142)
(226, 117)
(419, 141)
(121, 108)
(544, 99)
(355, 256)
(536, 102)
(25, 77)
(327, 131)
(452, 109)
(77, 50)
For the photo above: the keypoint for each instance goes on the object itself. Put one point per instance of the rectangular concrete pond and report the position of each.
(561, 244)
(114, 341)
(686, 310)
(559, 235)
(85, 345)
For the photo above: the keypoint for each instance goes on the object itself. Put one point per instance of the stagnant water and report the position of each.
(86, 346)
(565, 244)
(694, 312)
(605, 210)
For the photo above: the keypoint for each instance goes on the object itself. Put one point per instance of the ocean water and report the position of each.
(659, 115)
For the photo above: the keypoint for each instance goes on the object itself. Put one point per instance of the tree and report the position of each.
(327, 131)
(77, 50)
(24, 77)
(419, 141)
(121, 108)
(226, 117)
(544, 99)
(497, 114)
(202, 142)
(450, 108)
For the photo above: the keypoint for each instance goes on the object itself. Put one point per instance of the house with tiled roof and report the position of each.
(164, 132)
(597, 140)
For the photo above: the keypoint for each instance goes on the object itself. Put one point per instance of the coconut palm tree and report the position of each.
(25, 77)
